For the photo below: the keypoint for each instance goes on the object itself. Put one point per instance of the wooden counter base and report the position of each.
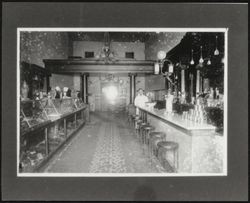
(201, 149)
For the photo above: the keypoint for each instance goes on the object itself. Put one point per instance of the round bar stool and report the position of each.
(138, 123)
(141, 130)
(145, 133)
(135, 118)
(166, 147)
(147, 130)
(154, 138)
(131, 119)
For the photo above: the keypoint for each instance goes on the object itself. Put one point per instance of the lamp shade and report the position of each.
(156, 68)
(161, 55)
(171, 68)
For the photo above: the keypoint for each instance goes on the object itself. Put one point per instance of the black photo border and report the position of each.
(165, 15)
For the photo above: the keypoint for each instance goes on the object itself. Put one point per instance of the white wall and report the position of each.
(61, 81)
(94, 88)
(122, 47)
(77, 81)
(80, 47)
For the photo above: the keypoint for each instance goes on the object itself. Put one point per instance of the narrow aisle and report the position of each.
(105, 145)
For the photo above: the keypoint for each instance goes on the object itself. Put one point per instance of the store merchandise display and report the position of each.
(45, 124)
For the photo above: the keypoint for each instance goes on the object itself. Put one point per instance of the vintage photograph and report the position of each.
(122, 102)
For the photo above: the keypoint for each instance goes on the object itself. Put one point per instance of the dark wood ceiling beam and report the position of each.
(93, 66)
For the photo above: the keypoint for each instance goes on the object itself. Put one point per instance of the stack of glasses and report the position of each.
(196, 114)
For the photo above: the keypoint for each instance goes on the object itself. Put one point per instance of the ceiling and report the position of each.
(114, 36)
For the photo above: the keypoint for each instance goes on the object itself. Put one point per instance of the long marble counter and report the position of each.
(201, 149)
(177, 121)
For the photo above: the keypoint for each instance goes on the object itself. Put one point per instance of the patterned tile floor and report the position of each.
(105, 145)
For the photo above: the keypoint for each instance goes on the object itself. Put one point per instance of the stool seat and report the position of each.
(168, 145)
(137, 118)
(157, 134)
(155, 141)
(153, 145)
(148, 127)
(144, 124)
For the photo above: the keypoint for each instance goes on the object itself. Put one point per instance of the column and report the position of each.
(201, 84)
(132, 87)
(183, 80)
(84, 87)
(191, 77)
(47, 82)
(198, 81)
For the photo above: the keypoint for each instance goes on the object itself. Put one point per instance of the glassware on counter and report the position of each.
(197, 114)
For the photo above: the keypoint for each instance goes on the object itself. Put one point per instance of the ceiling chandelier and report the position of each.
(106, 54)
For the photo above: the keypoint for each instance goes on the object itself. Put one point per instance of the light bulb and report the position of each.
(192, 61)
(161, 55)
(216, 52)
(201, 60)
(171, 68)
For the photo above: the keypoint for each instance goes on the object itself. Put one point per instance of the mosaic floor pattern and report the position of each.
(105, 145)
(108, 157)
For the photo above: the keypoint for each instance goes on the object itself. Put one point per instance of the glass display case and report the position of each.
(33, 149)
(50, 109)
(32, 114)
(56, 108)
(71, 117)
(79, 103)
(64, 106)
(45, 125)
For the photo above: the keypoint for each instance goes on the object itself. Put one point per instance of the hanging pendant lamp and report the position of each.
(209, 62)
(192, 59)
(201, 59)
(216, 52)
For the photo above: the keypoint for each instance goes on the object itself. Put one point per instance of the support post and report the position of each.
(46, 142)
(198, 82)
(132, 87)
(182, 80)
(84, 87)
(65, 127)
(191, 84)
(75, 120)
(47, 83)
